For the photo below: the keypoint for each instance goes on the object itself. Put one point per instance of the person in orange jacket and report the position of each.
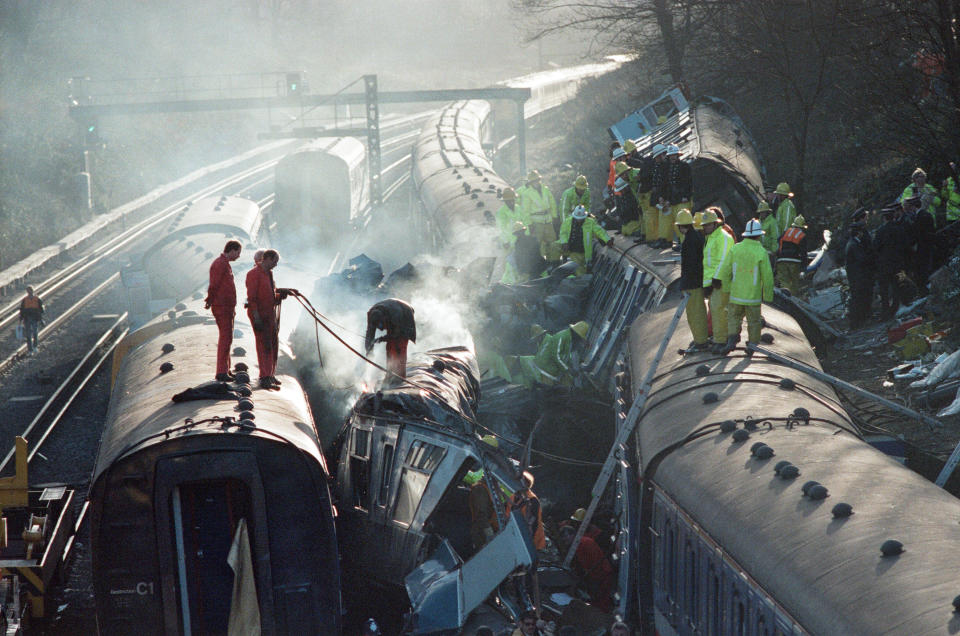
(527, 502)
(221, 300)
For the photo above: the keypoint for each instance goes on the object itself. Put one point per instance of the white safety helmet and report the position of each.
(619, 152)
(673, 150)
(620, 184)
(753, 229)
(579, 212)
(658, 149)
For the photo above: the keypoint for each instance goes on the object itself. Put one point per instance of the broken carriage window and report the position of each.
(422, 459)
(385, 470)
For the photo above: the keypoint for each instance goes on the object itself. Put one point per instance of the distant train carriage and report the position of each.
(321, 189)
(180, 260)
(210, 511)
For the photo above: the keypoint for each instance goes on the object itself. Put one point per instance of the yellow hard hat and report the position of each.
(783, 188)
(763, 207)
(536, 330)
(533, 175)
(799, 222)
(509, 194)
(629, 146)
(579, 514)
(620, 167)
(580, 328)
(684, 217)
(490, 440)
(580, 182)
(518, 226)
(708, 216)
(698, 221)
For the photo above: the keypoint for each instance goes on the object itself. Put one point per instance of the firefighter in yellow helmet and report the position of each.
(746, 274)
(577, 194)
(508, 213)
(792, 256)
(540, 208)
(786, 209)
(576, 238)
(691, 280)
(552, 364)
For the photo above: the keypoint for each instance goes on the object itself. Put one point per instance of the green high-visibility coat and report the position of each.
(714, 252)
(505, 220)
(786, 213)
(928, 194)
(539, 206)
(771, 236)
(746, 274)
(591, 229)
(570, 199)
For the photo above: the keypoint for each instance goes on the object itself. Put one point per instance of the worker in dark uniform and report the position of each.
(792, 255)
(925, 234)
(861, 264)
(221, 300)
(395, 317)
(524, 261)
(691, 280)
(891, 242)
(263, 303)
(628, 208)
(31, 315)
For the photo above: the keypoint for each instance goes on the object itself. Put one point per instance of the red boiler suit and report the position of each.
(262, 296)
(222, 299)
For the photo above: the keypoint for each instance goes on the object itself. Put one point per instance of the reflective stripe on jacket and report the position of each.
(746, 274)
(793, 246)
(786, 213)
(590, 229)
(505, 220)
(717, 247)
(771, 234)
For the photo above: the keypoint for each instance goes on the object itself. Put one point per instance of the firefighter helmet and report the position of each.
(753, 229)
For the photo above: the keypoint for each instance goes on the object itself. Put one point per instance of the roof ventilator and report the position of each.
(710, 398)
(166, 367)
(240, 366)
(766, 338)
(703, 370)
(808, 485)
(764, 452)
(843, 510)
(727, 426)
(781, 465)
(167, 347)
(239, 352)
(817, 492)
(799, 416)
(891, 547)
(242, 377)
(740, 435)
(787, 384)
(956, 604)
(789, 472)
(245, 404)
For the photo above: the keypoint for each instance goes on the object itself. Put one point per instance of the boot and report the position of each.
(731, 344)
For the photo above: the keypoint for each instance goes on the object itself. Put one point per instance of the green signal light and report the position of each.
(91, 127)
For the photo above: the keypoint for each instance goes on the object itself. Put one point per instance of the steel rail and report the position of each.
(67, 384)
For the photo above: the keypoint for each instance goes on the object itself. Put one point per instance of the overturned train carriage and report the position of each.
(760, 508)
(403, 500)
(209, 512)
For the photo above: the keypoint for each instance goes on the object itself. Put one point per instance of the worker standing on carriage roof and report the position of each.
(396, 318)
(577, 194)
(771, 230)
(263, 302)
(576, 237)
(653, 183)
(628, 206)
(715, 251)
(792, 256)
(221, 300)
(786, 210)
(540, 208)
(691, 279)
(508, 213)
(679, 191)
(746, 274)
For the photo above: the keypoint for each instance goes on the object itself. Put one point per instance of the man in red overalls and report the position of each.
(222, 301)
(396, 318)
(263, 301)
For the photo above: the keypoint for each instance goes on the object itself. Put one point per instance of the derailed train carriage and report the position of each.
(211, 511)
(760, 509)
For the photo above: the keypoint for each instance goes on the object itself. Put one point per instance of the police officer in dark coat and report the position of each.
(861, 263)
(925, 234)
(892, 242)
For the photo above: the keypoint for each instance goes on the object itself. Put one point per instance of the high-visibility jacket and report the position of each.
(505, 220)
(538, 204)
(31, 307)
(746, 274)
(590, 230)
(612, 175)
(771, 234)
(951, 199)
(553, 355)
(929, 196)
(793, 246)
(222, 290)
(786, 213)
(714, 252)
(570, 199)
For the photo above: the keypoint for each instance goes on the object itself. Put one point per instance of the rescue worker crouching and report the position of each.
(691, 280)
(747, 276)
(577, 194)
(221, 300)
(576, 237)
(396, 319)
(540, 212)
(715, 250)
(263, 303)
(552, 363)
(792, 256)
